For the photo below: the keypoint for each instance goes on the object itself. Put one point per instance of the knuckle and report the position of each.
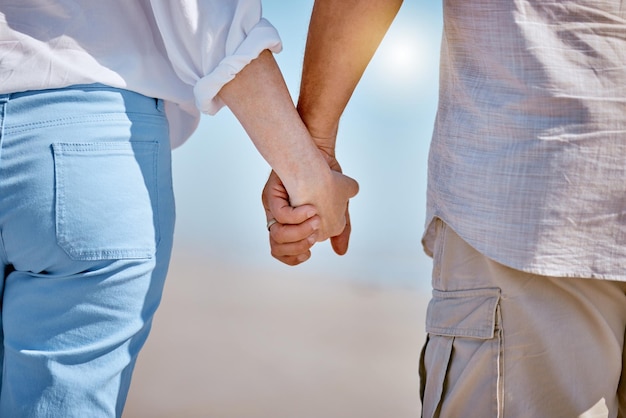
(275, 253)
(277, 235)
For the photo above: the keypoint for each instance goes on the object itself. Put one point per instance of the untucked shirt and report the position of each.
(182, 51)
(528, 158)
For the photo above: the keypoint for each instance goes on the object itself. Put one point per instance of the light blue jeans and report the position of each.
(86, 228)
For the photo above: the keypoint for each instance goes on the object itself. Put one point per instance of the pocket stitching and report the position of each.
(63, 240)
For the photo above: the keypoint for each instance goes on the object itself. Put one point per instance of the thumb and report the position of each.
(340, 242)
(349, 185)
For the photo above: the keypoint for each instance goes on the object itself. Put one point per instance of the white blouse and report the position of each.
(182, 51)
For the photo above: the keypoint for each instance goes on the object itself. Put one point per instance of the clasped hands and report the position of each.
(300, 224)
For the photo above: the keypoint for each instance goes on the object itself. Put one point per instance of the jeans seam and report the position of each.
(110, 117)
(3, 254)
(4, 257)
(157, 204)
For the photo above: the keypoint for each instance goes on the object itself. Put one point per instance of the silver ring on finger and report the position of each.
(270, 223)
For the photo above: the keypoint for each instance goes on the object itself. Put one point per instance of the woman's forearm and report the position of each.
(260, 100)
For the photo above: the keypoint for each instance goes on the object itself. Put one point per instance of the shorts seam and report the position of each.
(500, 390)
(438, 254)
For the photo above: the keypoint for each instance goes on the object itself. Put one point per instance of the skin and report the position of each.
(284, 141)
(343, 36)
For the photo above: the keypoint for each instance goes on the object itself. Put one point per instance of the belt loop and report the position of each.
(160, 105)
(4, 98)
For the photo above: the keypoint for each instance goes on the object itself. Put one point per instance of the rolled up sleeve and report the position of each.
(209, 41)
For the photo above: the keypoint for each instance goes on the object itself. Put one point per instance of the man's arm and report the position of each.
(260, 100)
(343, 36)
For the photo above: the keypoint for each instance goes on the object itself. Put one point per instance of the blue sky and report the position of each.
(383, 143)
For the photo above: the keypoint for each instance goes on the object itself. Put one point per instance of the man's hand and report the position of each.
(327, 147)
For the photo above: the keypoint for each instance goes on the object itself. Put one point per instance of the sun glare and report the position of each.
(407, 56)
(403, 55)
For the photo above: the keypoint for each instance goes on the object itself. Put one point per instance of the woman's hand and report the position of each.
(297, 229)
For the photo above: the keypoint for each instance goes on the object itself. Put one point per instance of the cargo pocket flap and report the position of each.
(463, 313)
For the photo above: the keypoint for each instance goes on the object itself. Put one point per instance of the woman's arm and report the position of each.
(260, 100)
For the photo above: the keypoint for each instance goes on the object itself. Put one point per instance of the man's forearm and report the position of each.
(343, 36)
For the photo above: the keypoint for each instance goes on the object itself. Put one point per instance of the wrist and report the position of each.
(308, 183)
(322, 129)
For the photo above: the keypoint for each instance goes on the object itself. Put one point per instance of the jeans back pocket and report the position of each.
(106, 199)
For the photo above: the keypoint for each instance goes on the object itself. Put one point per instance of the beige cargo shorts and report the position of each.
(508, 344)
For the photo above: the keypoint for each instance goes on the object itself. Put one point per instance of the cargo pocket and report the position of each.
(461, 360)
(106, 199)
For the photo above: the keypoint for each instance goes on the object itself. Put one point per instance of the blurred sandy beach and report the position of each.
(230, 342)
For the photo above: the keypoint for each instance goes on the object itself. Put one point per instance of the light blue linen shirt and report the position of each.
(528, 158)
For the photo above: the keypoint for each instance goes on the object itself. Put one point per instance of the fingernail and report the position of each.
(302, 258)
(310, 213)
(315, 223)
(312, 239)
